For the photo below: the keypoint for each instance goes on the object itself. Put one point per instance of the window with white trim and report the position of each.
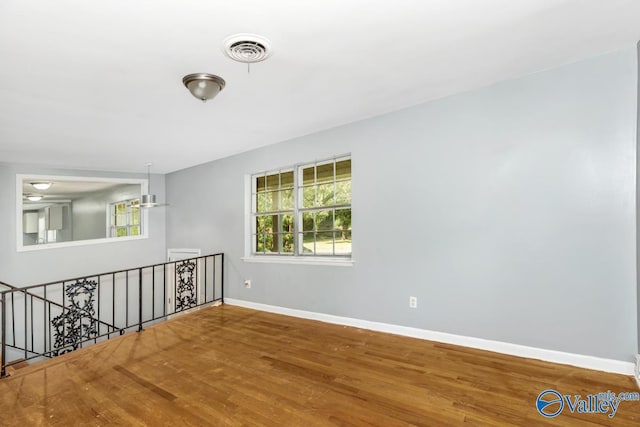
(303, 210)
(125, 218)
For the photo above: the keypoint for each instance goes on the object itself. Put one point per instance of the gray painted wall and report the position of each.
(90, 213)
(89, 218)
(513, 212)
(25, 268)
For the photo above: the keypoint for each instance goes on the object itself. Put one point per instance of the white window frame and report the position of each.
(296, 257)
(111, 217)
(19, 210)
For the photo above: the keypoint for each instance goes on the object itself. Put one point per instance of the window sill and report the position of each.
(335, 262)
(72, 243)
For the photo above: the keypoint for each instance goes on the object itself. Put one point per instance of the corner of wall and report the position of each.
(637, 196)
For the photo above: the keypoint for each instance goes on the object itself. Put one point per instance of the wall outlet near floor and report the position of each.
(413, 302)
(247, 284)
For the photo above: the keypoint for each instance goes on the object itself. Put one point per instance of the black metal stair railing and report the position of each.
(3, 287)
(46, 301)
(54, 318)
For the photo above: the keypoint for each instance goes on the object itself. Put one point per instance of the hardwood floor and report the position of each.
(230, 366)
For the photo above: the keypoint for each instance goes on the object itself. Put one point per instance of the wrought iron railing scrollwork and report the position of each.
(185, 289)
(78, 323)
(55, 318)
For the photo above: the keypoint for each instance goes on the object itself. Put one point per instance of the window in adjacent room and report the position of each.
(304, 210)
(125, 218)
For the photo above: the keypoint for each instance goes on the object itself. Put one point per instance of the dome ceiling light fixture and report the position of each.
(33, 197)
(247, 48)
(203, 86)
(41, 185)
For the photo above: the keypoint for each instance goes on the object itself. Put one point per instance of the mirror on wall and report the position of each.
(54, 211)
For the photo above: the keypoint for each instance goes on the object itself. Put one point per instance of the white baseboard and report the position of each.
(579, 360)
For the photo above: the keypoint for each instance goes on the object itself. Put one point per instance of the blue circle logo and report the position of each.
(549, 403)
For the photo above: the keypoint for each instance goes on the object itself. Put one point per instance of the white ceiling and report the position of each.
(98, 85)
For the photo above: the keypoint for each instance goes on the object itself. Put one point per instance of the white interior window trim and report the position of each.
(287, 222)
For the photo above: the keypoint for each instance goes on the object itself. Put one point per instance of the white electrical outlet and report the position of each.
(413, 302)
(247, 284)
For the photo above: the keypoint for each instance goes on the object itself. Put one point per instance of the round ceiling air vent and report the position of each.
(247, 48)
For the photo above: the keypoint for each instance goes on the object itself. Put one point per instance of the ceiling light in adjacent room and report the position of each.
(34, 197)
(41, 185)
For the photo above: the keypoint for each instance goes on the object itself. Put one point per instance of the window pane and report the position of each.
(268, 202)
(343, 193)
(121, 231)
(307, 221)
(343, 169)
(343, 245)
(265, 223)
(121, 219)
(261, 202)
(343, 220)
(260, 184)
(259, 238)
(135, 215)
(275, 226)
(325, 195)
(286, 179)
(287, 199)
(286, 224)
(135, 230)
(287, 243)
(274, 200)
(324, 243)
(324, 173)
(273, 181)
(324, 236)
(309, 197)
(269, 243)
(119, 213)
(308, 176)
(308, 243)
(324, 220)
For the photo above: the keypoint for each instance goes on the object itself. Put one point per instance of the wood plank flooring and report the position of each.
(230, 366)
